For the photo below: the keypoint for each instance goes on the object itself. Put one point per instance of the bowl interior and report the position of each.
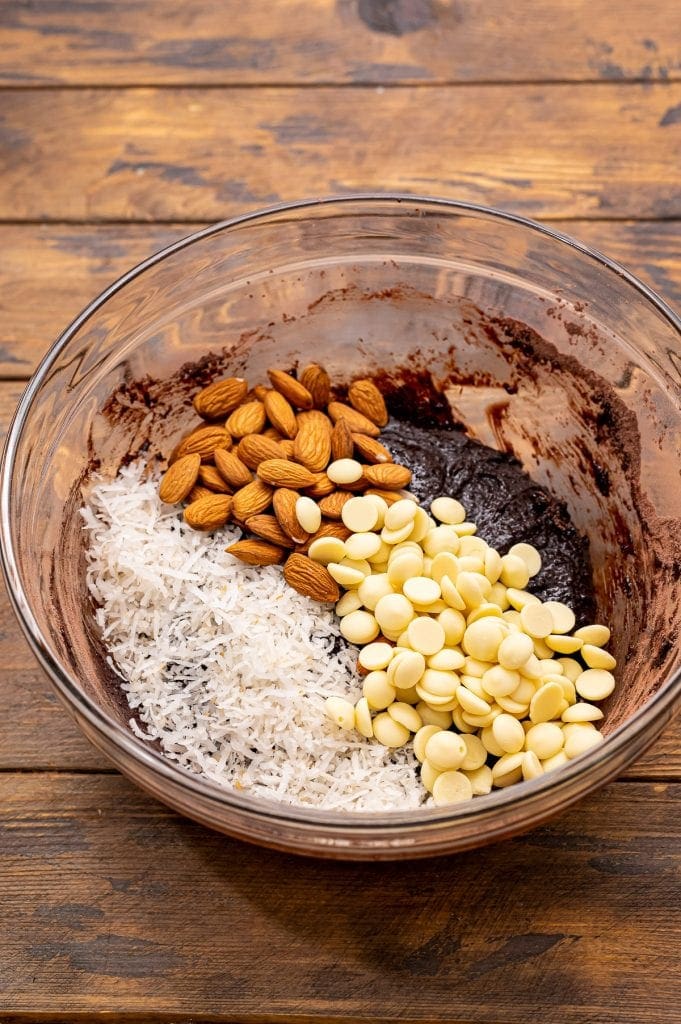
(541, 350)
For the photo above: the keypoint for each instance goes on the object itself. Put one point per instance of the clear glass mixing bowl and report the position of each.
(360, 284)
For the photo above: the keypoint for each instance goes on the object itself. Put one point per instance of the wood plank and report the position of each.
(337, 41)
(178, 154)
(48, 273)
(110, 901)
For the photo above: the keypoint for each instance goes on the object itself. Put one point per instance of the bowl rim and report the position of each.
(527, 794)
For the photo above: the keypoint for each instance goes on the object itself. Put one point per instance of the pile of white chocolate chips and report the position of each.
(469, 662)
(492, 685)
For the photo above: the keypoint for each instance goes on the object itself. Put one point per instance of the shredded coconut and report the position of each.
(227, 666)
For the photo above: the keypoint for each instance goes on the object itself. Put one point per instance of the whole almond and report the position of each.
(370, 449)
(259, 392)
(199, 491)
(251, 500)
(342, 445)
(296, 393)
(284, 504)
(220, 397)
(178, 481)
(280, 414)
(321, 487)
(203, 441)
(210, 478)
(311, 579)
(256, 552)
(255, 448)
(325, 530)
(232, 470)
(284, 473)
(365, 397)
(389, 476)
(317, 381)
(332, 505)
(312, 446)
(269, 529)
(315, 416)
(357, 422)
(247, 419)
(208, 513)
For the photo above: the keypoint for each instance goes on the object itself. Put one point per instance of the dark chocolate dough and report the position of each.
(506, 504)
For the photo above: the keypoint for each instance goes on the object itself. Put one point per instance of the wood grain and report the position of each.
(197, 154)
(109, 900)
(48, 273)
(336, 41)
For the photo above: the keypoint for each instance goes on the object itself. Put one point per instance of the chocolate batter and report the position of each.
(506, 504)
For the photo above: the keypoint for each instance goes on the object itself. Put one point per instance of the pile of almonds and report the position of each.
(281, 463)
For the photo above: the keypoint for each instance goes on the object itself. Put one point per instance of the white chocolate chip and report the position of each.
(359, 627)
(327, 549)
(529, 555)
(378, 690)
(308, 514)
(400, 514)
(344, 471)
(595, 684)
(448, 510)
(389, 732)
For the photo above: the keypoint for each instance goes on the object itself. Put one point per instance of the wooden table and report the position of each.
(127, 123)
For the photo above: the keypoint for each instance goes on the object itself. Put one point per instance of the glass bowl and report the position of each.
(363, 284)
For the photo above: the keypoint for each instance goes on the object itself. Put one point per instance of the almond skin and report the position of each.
(178, 481)
(389, 476)
(199, 491)
(256, 552)
(317, 381)
(251, 500)
(370, 449)
(332, 505)
(259, 392)
(312, 446)
(342, 446)
(232, 470)
(295, 392)
(255, 448)
(220, 397)
(321, 487)
(284, 503)
(269, 529)
(365, 397)
(357, 421)
(280, 414)
(204, 440)
(208, 513)
(247, 419)
(310, 578)
(210, 478)
(284, 473)
(287, 446)
(390, 497)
